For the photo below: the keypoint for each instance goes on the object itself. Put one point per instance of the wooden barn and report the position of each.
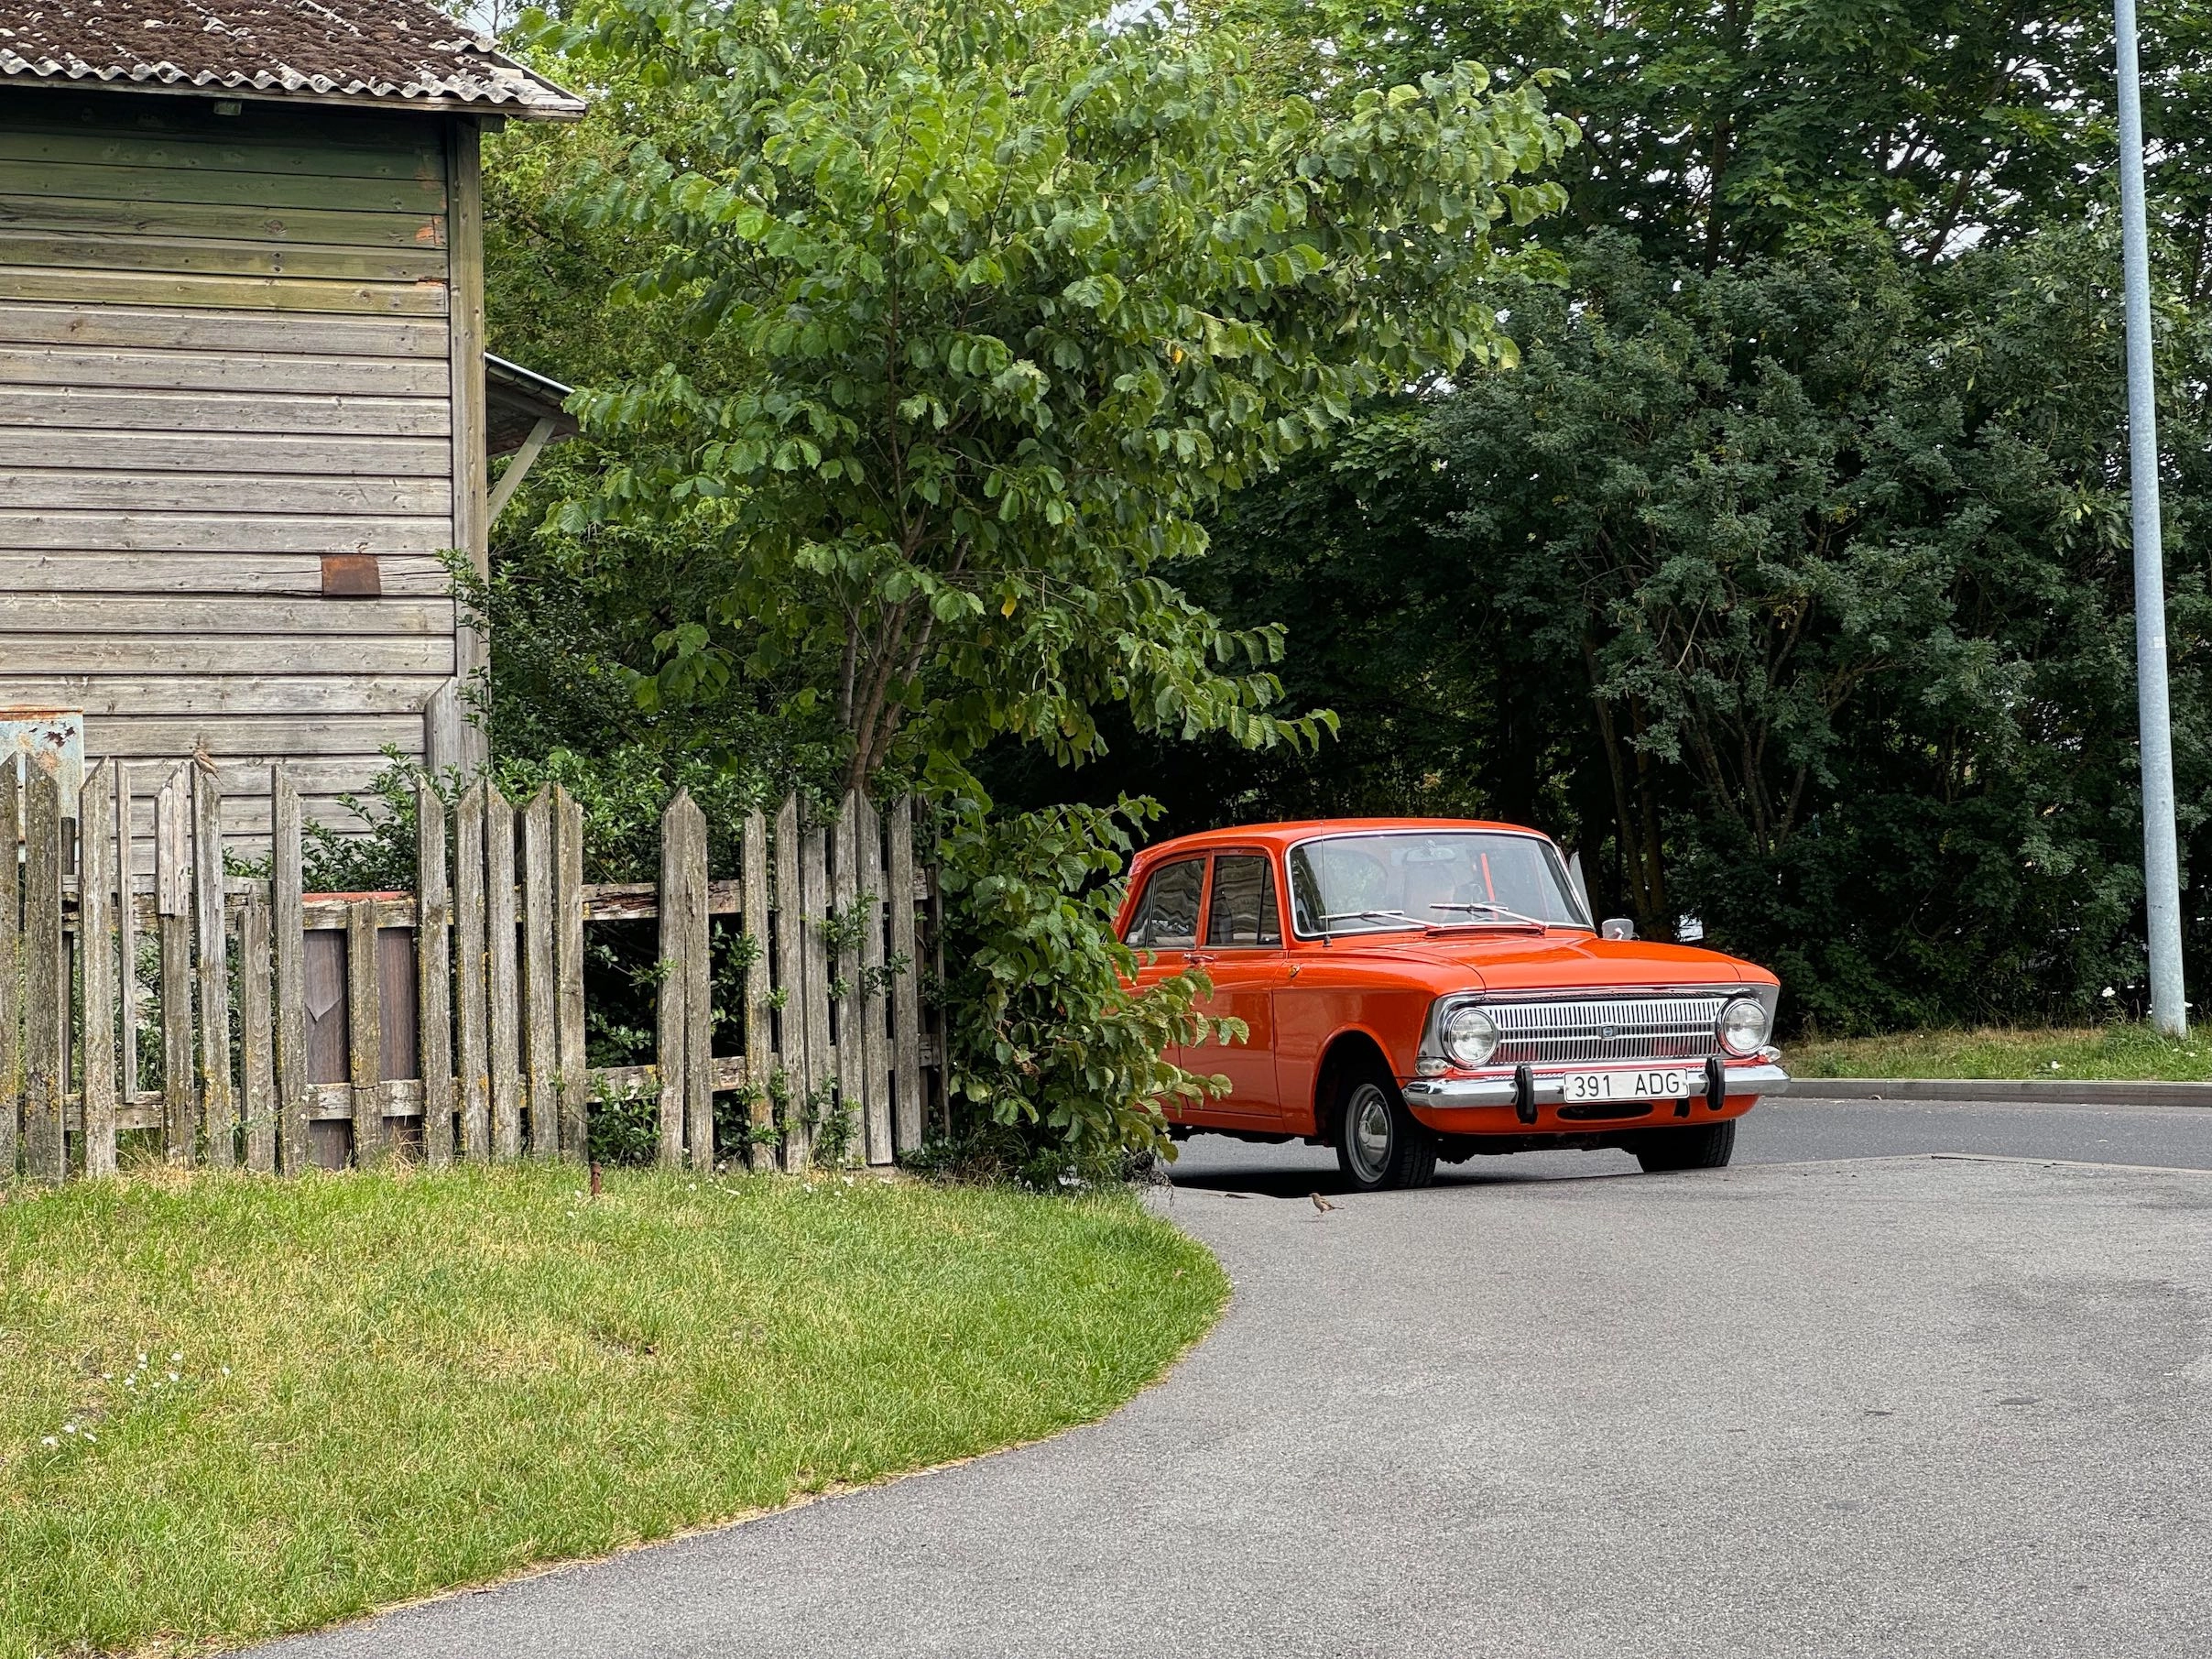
(244, 404)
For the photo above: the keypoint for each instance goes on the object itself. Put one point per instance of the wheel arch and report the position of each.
(1353, 1047)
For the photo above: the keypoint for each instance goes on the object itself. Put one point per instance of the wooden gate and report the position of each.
(241, 1021)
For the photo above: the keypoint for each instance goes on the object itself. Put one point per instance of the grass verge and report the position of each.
(2122, 1052)
(231, 1408)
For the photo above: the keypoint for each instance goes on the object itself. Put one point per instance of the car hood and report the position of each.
(1505, 962)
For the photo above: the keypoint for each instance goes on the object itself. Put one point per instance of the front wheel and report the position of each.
(1707, 1147)
(1379, 1143)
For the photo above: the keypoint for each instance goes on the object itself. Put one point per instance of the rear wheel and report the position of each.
(1379, 1142)
(1709, 1146)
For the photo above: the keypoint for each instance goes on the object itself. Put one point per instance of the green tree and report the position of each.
(997, 301)
(936, 331)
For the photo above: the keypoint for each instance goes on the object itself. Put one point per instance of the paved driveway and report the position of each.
(1886, 1408)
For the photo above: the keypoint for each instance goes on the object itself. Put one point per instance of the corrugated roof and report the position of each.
(371, 52)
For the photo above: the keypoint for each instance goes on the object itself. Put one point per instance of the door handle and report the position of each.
(1198, 956)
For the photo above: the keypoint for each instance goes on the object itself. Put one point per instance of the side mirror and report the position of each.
(1617, 927)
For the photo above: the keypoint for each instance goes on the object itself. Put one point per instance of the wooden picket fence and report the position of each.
(448, 1024)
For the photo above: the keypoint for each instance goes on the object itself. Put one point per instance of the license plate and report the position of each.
(1632, 1085)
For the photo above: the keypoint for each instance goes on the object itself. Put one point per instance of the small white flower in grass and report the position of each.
(69, 1428)
(172, 1376)
(2109, 991)
(226, 1370)
(50, 1440)
(142, 1357)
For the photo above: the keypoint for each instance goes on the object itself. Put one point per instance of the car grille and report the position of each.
(1640, 1028)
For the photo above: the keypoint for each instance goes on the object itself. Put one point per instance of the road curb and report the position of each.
(2026, 1091)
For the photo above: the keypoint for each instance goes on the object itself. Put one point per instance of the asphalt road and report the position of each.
(1891, 1407)
(1795, 1130)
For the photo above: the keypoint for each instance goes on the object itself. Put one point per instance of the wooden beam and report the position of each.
(464, 278)
(519, 467)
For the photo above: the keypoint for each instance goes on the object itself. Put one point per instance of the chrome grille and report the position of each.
(1626, 1027)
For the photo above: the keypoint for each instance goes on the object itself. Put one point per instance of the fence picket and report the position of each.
(843, 969)
(503, 983)
(218, 1102)
(868, 1001)
(126, 930)
(288, 921)
(257, 1043)
(906, 1000)
(791, 986)
(814, 901)
(760, 1062)
(11, 977)
(469, 966)
(365, 1034)
(46, 985)
(540, 999)
(568, 970)
(433, 977)
(173, 903)
(96, 950)
(682, 1056)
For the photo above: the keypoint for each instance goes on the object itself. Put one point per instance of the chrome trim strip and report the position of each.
(1762, 1080)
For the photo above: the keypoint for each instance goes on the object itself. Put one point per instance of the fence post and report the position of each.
(45, 988)
(685, 1078)
(760, 1061)
(287, 907)
(503, 980)
(364, 1033)
(468, 957)
(11, 976)
(174, 902)
(218, 1103)
(539, 997)
(433, 978)
(906, 1000)
(790, 982)
(96, 947)
(568, 973)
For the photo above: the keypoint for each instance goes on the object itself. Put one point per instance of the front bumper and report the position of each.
(1551, 1089)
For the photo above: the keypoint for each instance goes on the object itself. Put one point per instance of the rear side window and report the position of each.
(1242, 909)
(1167, 914)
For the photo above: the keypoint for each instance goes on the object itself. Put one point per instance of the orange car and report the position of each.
(1421, 988)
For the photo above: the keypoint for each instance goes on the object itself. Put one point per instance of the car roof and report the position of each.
(1281, 836)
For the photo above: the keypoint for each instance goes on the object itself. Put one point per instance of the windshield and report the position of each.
(1366, 884)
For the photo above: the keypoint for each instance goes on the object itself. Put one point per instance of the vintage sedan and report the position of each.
(1424, 989)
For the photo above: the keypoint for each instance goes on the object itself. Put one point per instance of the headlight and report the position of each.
(1743, 1026)
(1470, 1036)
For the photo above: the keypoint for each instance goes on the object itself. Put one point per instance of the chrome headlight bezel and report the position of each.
(1743, 1026)
(1467, 1035)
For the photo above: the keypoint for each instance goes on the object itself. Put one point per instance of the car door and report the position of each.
(1164, 927)
(1243, 954)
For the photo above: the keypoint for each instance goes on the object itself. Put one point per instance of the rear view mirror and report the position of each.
(1618, 927)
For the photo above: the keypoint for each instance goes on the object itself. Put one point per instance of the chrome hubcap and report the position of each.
(1368, 1132)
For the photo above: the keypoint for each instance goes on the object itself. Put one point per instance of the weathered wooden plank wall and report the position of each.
(228, 354)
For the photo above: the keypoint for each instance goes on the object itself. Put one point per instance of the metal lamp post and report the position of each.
(2162, 861)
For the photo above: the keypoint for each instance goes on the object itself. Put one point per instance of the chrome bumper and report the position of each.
(1552, 1090)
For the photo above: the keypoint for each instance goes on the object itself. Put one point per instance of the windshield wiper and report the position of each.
(1477, 908)
(1369, 916)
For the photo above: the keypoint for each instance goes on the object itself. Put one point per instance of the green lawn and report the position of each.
(232, 1407)
(2124, 1053)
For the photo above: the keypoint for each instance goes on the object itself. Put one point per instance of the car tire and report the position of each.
(1709, 1146)
(1380, 1144)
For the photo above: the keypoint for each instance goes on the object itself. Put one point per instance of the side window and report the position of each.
(1167, 914)
(1243, 910)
